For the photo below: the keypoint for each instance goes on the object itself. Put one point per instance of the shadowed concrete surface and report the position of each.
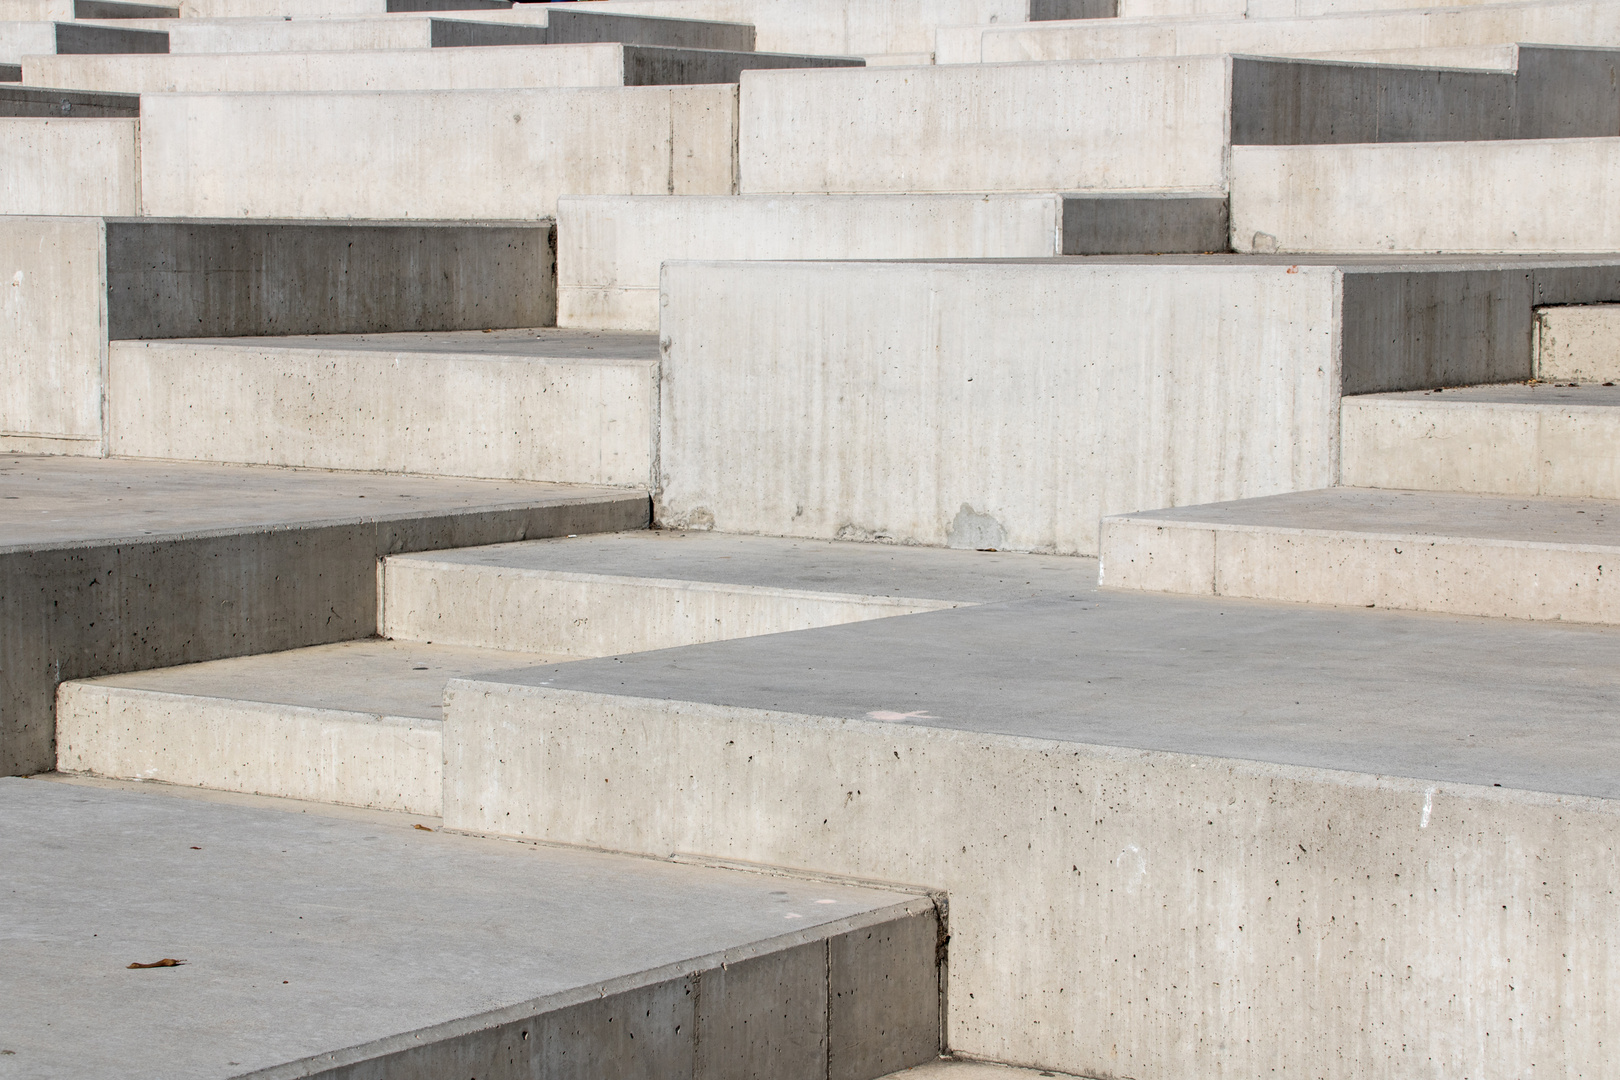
(306, 930)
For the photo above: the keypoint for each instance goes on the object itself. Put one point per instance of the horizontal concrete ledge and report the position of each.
(43, 101)
(567, 25)
(1502, 556)
(118, 9)
(92, 38)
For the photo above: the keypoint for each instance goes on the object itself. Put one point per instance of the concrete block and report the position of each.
(295, 155)
(74, 166)
(1144, 224)
(344, 35)
(1523, 558)
(434, 407)
(10, 73)
(1575, 343)
(95, 38)
(884, 998)
(768, 1016)
(19, 39)
(1517, 440)
(121, 9)
(566, 25)
(1551, 195)
(59, 103)
(1150, 124)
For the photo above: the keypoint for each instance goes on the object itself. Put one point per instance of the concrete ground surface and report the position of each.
(307, 929)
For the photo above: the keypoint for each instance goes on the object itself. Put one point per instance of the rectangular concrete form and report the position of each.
(344, 34)
(295, 155)
(1578, 343)
(69, 165)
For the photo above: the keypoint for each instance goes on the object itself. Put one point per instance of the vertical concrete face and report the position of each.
(52, 334)
(296, 156)
(1578, 343)
(1142, 124)
(70, 166)
(1005, 406)
(884, 998)
(766, 1017)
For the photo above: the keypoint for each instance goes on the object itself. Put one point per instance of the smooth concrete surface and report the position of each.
(632, 592)
(58, 103)
(19, 39)
(108, 38)
(1518, 439)
(1541, 195)
(111, 566)
(566, 406)
(356, 723)
(505, 66)
(1517, 557)
(1592, 23)
(69, 165)
(296, 155)
(610, 248)
(1148, 124)
(1181, 837)
(331, 943)
(1576, 343)
(297, 35)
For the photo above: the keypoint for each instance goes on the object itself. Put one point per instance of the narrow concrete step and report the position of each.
(555, 405)
(633, 592)
(1515, 557)
(1516, 439)
(327, 942)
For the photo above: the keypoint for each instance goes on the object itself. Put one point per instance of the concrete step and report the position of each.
(1519, 557)
(1578, 343)
(325, 941)
(336, 34)
(27, 38)
(58, 103)
(1182, 380)
(80, 282)
(62, 10)
(511, 66)
(1515, 439)
(139, 565)
(566, 406)
(611, 248)
(633, 592)
(1109, 785)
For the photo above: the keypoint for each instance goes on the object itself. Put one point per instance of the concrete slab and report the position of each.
(133, 565)
(69, 166)
(332, 33)
(631, 592)
(1523, 557)
(1109, 787)
(565, 406)
(59, 103)
(317, 940)
(295, 155)
(1578, 343)
(1517, 439)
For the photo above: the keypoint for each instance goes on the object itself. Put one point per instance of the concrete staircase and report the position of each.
(1111, 498)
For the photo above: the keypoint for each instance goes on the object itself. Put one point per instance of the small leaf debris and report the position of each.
(165, 962)
(424, 828)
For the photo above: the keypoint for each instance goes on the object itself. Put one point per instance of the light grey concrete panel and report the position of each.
(38, 101)
(766, 1018)
(566, 25)
(231, 278)
(1578, 342)
(91, 38)
(1143, 224)
(884, 1006)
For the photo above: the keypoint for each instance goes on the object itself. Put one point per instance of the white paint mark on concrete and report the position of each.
(1428, 808)
(884, 714)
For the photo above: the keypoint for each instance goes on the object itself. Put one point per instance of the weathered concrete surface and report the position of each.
(70, 165)
(58, 10)
(1515, 439)
(296, 155)
(610, 248)
(1541, 195)
(573, 24)
(1150, 124)
(348, 943)
(1577, 343)
(273, 35)
(1366, 897)
(514, 66)
(102, 38)
(19, 39)
(1517, 557)
(356, 723)
(39, 101)
(1551, 22)
(551, 405)
(110, 566)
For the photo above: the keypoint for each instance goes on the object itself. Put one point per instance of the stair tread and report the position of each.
(540, 343)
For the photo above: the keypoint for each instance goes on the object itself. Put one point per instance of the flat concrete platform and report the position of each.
(316, 936)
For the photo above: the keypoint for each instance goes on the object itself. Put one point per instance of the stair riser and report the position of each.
(320, 755)
(1578, 343)
(580, 616)
(1432, 445)
(1459, 576)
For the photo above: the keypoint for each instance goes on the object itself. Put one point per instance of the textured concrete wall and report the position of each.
(59, 103)
(298, 155)
(69, 166)
(53, 332)
(19, 39)
(565, 25)
(1579, 343)
(503, 417)
(1117, 912)
(95, 38)
(1158, 123)
(1004, 406)
(340, 34)
(1552, 195)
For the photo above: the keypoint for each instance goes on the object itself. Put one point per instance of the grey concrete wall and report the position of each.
(118, 9)
(653, 66)
(447, 5)
(74, 611)
(10, 73)
(37, 101)
(1050, 10)
(1117, 912)
(231, 278)
(86, 38)
(1143, 224)
(566, 26)
(451, 33)
(853, 1001)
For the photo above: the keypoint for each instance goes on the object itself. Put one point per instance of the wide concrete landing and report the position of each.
(1516, 439)
(553, 405)
(1521, 557)
(322, 938)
